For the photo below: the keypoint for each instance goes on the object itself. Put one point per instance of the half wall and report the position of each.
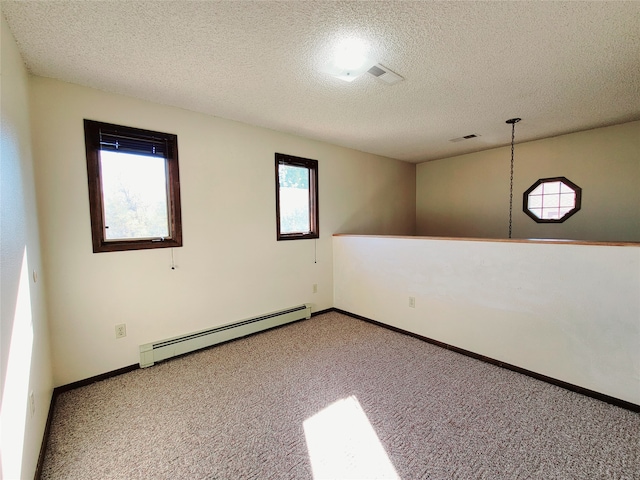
(567, 310)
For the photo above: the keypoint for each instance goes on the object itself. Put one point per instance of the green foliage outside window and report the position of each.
(135, 196)
(294, 199)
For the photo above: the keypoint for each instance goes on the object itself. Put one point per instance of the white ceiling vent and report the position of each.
(383, 73)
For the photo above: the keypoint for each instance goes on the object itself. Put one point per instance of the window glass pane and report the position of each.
(535, 201)
(551, 200)
(564, 210)
(536, 211)
(550, 213)
(294, 199)
(551, 187)
(538, 190)
(565, 188)
(135, 196)
(568, 200)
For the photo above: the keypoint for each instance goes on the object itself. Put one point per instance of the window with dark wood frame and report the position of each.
(296, 197)
(552, 200)
(148, 162)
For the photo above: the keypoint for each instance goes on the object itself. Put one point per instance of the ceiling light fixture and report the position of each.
(350, 60)
(513, 122)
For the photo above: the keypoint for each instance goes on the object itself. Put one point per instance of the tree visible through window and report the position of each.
(135, 196)
(296, 197)
(133, 188)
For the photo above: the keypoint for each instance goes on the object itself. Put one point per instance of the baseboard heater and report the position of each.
(171, 347)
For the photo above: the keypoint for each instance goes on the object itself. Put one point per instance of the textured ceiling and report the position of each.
(468, 66)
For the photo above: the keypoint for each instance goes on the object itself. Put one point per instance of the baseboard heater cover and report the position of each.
(171, 347)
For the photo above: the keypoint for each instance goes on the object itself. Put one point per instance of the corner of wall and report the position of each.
(27, 382)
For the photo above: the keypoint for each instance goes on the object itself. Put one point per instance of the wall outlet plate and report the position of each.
(32, 403)
(121, 330)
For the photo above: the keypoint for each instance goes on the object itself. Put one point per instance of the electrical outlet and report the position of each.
(412, 302)
(121, 330)
(315, 288)
(32, 403)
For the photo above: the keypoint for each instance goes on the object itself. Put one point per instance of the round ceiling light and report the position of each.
(350, 59)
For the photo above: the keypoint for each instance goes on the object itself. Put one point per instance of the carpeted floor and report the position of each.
(336, 397)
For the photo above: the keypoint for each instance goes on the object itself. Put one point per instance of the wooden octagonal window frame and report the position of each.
(561, 200)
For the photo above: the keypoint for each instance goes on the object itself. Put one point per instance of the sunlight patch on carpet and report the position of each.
(343, 444)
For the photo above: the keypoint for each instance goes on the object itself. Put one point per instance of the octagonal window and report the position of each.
(552, 200)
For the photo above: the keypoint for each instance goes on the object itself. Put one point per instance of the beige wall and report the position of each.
(468, 196)
(570, 312)
(231, 266)
(26, 365)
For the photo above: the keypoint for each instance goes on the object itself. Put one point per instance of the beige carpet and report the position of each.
(336, 397)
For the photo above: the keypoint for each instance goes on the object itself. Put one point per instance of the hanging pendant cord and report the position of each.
(513, 134)
(513, 122)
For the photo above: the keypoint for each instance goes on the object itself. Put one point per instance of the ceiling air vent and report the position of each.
(383, 73)
(466, 137)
